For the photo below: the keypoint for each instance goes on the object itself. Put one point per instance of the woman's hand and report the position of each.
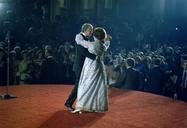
(98, 57)
(107, 37)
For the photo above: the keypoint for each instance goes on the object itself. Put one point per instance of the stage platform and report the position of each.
(42, 106)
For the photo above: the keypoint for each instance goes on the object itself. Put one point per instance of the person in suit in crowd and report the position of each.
(132, 78)
(3, 67)
(156, 78)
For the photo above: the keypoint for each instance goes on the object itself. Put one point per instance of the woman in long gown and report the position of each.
(92, 89)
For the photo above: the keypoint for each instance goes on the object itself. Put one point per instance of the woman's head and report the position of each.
(99, 33)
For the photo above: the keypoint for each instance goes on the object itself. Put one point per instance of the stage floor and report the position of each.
(42, 106)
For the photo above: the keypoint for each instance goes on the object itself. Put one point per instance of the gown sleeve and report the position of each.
(97, 48)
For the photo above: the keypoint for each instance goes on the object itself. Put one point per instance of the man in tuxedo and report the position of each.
(131, 80)
(156, 78)
(81, 54)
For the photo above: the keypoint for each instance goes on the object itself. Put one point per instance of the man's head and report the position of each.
(87, 29)
(130, 62)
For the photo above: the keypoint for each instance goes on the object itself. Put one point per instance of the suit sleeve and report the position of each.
(85, 52)
(80, 41)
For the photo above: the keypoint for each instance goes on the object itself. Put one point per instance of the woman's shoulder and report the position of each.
(99, 43)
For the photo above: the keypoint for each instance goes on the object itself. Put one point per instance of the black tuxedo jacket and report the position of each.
(131, 79)
(156, 80)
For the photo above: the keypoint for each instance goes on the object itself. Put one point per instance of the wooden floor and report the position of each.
(42, 106)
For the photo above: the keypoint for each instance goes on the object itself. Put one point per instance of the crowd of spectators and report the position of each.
(162, 71)
(141, 56)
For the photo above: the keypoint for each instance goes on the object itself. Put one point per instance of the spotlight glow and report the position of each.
(1, 6)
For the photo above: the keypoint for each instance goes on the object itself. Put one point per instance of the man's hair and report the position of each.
(86, 26)
(99, 33)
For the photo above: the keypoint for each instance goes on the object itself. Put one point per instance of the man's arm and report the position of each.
(107, 41)
(85, 52)
(80, 41)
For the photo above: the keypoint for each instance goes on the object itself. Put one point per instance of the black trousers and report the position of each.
(73, 95)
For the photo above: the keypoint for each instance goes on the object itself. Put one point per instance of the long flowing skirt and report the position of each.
(92, 89)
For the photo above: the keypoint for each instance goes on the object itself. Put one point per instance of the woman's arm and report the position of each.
(107, 44)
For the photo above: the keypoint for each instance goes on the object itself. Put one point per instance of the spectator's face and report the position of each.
(18, 50)
(66, 48)
(40, 56)
(72, 57)
(119, 60)
(24, 56)
(124, 65)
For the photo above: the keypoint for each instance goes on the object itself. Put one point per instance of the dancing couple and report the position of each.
(90, 88)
